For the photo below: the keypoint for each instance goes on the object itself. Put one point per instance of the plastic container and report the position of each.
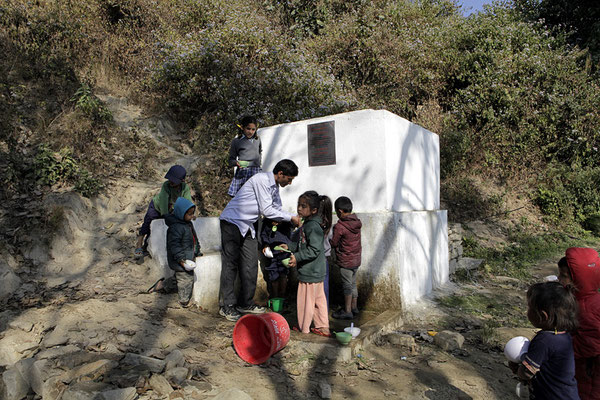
(256, 337)
(276, 304)
(343, 337)
(244, 164)
(354, 331)
(515, 348)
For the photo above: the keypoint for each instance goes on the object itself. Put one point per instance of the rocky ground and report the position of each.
(80, 327)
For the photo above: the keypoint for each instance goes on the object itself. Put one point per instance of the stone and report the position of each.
(16, 345)
(56, 352)
(152, 364)
(449, 340)
(52, 389)
(57, 337)
(118, 394)
(401, 339)
(83, 390)
(469, 263)
(21, 324)
(233, 394)
(174, 359)
(160, 385)
(89, 372)
(41, 371)
(177, 394)
(324, 390)
(177, 375)
(195, 387)
(9, 281)
(16, 386)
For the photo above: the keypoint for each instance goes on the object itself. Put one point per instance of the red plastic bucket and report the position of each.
(257, 337)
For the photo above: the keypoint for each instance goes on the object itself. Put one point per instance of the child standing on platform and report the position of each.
(245, 153)
(275, 234)
(579, 271)
(346, 242)
(308, 256)
(549, 365)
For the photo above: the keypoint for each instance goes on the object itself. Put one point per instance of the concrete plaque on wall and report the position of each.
(321, 144)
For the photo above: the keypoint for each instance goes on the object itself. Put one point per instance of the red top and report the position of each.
(346, 241)
(584, 264)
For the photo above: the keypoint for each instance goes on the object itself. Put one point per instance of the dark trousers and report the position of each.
(150, 216)
(183, 283)
(239, 256)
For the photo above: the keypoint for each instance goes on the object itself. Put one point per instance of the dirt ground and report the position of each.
(83, 290)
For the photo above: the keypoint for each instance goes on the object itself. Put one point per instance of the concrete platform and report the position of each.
(331, 349)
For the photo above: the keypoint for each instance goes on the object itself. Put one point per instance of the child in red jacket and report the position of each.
(580, 270)
(347, 246)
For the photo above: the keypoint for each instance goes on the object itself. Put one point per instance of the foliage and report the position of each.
(572, 196)
(90, 105)
(53, 168)
(509, 95)
(522, 251)
(580, 20)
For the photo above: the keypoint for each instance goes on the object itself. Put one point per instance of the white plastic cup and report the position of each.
(189, 265)
(268, 252)
(515, 348)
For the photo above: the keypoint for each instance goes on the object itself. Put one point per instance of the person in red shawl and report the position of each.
(580, 270)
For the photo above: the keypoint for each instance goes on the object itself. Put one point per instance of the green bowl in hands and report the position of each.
(286, 262)
(244, 164)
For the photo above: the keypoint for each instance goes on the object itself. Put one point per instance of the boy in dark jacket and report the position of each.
(182, 247)
(346, 244)
(272, 235)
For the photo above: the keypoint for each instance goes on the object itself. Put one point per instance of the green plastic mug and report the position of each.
(276, 303)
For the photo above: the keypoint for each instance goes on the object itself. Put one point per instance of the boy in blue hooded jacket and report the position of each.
(182, 247)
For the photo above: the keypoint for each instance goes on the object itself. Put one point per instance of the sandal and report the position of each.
(319, 332)
(153, 288)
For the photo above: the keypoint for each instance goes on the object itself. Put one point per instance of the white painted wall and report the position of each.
(389, 167)
(383, 162)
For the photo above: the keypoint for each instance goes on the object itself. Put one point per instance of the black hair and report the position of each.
(343, 203)
(563, 265)
(245, 121)
(558, 304)
(323, 206)
(287, 167)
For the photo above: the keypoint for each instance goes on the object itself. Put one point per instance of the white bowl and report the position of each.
(353, 331)
(515, 348)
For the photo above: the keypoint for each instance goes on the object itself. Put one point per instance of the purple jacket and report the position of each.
(346, 242)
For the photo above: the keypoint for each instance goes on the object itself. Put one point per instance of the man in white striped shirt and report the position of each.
(239, 246)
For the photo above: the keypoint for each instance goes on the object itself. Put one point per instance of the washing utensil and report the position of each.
(515, 348)
(268, 252)
(352, 330)
(189, 265)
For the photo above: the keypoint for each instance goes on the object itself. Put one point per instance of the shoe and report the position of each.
(138, 253)
(355, 311)
(319, 332)
(230, 313)
(157, 287)
(253, 309)
(341, 314)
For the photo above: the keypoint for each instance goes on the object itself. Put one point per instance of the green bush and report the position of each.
(90, 105)
(60, 167)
